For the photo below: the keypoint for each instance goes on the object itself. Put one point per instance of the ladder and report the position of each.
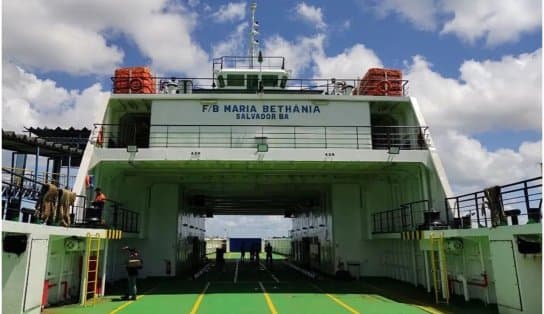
(439, 269)
(92, 261)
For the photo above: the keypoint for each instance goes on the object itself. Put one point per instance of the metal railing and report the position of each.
(473, 208)
(249, 136)
(242, 84)
(40, 177)
(124, 219)
(20, 195)
(406, 218)
(520, 201)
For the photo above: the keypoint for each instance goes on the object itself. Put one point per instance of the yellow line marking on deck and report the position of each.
(125, 304)
(199, 300)
(335, 299)
(271, 306)
(344, 305)
(429, 309)
(132, 301)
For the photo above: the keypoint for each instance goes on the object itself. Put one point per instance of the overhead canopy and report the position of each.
(52, 143)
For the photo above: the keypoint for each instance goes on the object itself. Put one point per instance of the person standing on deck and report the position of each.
(99, 199)
(98, 204)
(47, 202)
(134, 264)
(242, 252)
(268, 250)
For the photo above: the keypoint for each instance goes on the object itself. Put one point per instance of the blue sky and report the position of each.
(474, 66)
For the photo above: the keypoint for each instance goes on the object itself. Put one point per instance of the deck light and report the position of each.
(393, 150)
(132, 148)
(262, 148)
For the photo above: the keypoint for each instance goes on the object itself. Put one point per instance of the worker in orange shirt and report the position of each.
(99, 199)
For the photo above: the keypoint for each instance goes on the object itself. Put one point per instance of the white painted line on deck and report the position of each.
(236, 272)
(203, 270)
(271, 274)
(301, 270)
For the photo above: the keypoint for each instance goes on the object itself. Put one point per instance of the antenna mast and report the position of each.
(253, 32)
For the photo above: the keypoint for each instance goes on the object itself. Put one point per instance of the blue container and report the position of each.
(236, 243)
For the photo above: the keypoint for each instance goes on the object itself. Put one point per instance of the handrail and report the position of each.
(407, 217)
(275, 136)
(524, 196)
(188, 85)
(29, 192)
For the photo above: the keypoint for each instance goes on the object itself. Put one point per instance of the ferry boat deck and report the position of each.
(247, 287)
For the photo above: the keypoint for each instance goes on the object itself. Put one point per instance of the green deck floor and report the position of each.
(285, 291)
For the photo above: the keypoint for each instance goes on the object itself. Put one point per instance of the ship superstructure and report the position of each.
(351, 161)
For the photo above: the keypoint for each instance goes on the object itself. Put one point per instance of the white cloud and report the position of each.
(72, 37)
(496, 21)
(350, 64)
(421, 13)
(248, 226)
(489, 95)
(311, 14)
(233, 45)
(230, 12)
(35, 37)
(298, 54)
(471, 167)
(30, 101)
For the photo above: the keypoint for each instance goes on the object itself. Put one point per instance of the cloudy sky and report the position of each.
(474, 66)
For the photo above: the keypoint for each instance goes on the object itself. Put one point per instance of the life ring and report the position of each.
(100, 137)
(136, 85)
(383, 86)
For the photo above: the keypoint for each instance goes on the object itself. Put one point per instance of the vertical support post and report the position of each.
(484, 212)
(167, 127)
(36, 166)
(526, 194)
(357, 135)
(325, 136)
(68, 171)
(103, 283)
(84, 272)
(427, 277)
(477, 211)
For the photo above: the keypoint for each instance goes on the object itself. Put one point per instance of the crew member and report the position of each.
(48, 201)
(134, 264)
(268, 250)
(99, 199)
(67, 199)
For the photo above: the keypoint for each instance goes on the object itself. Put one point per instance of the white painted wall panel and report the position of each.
(35, 277)
(346, 222)
(507, 285)
(13, 280)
